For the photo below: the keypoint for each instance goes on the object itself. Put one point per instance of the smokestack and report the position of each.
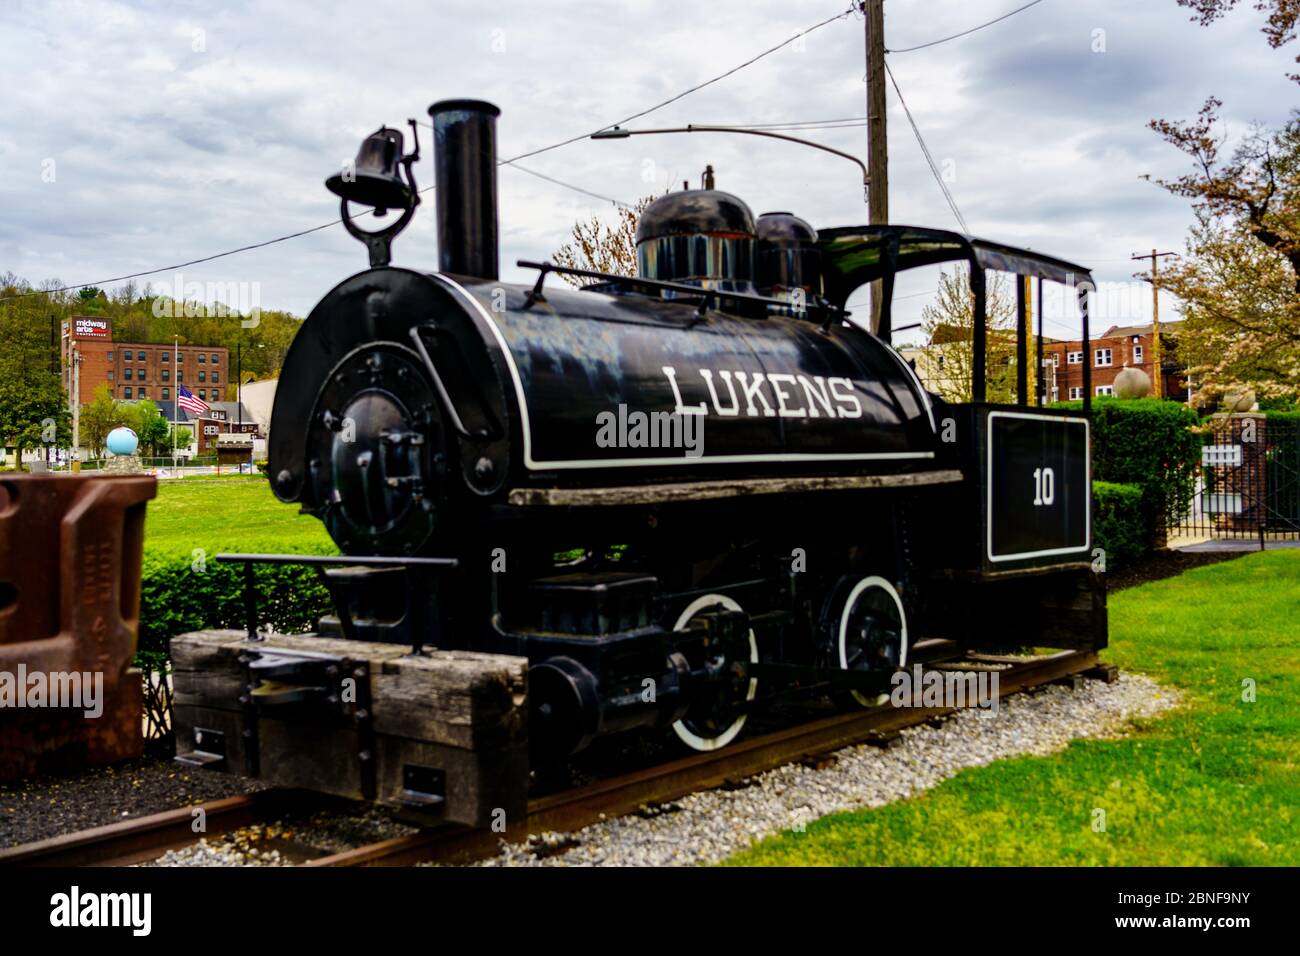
(465, 174)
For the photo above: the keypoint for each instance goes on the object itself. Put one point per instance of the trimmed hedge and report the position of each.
(1119, 525)
(179, 595)
(1148, 442)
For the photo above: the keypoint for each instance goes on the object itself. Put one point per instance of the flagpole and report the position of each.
(176, 407)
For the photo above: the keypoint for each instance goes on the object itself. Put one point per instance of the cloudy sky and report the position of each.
(135, 135)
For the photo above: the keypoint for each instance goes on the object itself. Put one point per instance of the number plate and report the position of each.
(1039, 487)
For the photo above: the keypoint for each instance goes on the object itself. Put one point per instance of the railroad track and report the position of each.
(149, 837)
(146, 838)
(574, 809)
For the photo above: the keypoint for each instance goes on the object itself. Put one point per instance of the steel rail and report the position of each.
(148, 837)
(574, 809)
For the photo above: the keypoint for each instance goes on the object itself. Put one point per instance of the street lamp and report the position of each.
(617, 132)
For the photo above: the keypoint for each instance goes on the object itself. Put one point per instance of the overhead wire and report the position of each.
(511, 161)
(963, 33)
(916, 131)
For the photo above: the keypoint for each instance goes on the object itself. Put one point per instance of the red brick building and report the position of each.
(1116, 349)
(135, 370)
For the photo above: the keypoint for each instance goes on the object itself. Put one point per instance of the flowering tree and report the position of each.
(601, 247)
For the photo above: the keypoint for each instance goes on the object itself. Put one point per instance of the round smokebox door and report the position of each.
(379, 460)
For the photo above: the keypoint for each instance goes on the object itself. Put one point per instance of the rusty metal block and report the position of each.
(70, 555)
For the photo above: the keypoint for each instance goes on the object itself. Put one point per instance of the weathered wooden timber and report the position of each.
(440, 733)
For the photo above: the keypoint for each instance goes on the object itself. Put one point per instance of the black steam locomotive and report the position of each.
(681, 493)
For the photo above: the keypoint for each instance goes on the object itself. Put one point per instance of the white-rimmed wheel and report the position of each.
(718, 716)
(872, 632)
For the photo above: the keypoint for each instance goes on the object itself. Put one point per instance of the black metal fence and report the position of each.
(155, 673)
(1247, 483)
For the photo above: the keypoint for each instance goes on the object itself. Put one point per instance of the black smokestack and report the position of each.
(465, 169)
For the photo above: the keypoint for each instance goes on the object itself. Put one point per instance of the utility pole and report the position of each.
(1158, 379)
(877, 143)
(75, 379)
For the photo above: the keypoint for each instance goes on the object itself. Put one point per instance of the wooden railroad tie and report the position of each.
(1108, 673)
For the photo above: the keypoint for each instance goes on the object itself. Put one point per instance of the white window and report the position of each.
(1105, 390)
(1137, 355)
(1074, 358)
(1076, 391)
(1103, 357)
(209, 429)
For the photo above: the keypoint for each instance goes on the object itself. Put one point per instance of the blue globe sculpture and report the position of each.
(122, 441)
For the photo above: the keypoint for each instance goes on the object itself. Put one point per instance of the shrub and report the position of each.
(1148, 442)
(1119, 525)
(180, 594)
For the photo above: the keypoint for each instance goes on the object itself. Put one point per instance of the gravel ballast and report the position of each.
(710, 826)
(44, 807)
(286, 842)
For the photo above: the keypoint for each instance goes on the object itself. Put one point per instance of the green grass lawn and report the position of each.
(227, 514)
(1215, 782)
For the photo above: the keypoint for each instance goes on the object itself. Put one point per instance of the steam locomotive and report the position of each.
(678, 494)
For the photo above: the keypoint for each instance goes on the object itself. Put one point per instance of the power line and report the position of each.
(952, 203)
(505, 162)
(964, 33)
(577, 189)
(694, 89)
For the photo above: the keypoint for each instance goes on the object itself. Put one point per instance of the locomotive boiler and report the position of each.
(676, 495)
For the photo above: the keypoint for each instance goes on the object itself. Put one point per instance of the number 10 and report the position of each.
(1044, 486)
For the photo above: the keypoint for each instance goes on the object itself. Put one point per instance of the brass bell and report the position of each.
(374, 179)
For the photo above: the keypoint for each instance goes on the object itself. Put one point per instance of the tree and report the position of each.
(1279, 28)
(33, 411)
(98, 418)
(179, 437)
(151, 428)
(1241, 325)
(34, 414)
(948, 358)
(1240, 280)
(601, 247)
(1257, 189)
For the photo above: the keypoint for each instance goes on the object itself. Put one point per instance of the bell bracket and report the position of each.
(379, 242)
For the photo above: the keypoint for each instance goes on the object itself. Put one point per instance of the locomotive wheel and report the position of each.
(714, 720)
(871, 632)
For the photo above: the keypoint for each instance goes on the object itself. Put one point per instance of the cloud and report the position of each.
(180, 130)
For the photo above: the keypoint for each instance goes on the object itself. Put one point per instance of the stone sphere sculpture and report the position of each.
(1132, 383)
(122, 441)
(1239, 401)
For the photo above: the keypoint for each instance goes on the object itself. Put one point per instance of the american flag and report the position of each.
(190, 403)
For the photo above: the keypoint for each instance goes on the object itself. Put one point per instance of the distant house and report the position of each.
(1119, 347)
(220, 418)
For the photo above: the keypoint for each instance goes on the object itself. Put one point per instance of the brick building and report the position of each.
(1119, 347)
(136, 370)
